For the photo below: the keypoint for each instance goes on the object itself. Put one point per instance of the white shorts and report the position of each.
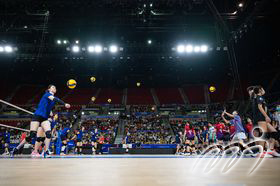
(239, 136)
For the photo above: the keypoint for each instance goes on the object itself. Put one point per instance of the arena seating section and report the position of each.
(30, 95)
(169, 96)
(24, 94)
(139, 96)
(114, 94)
(195, 94)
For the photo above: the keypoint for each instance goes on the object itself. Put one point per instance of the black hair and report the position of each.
(250, 88)
(49, 87)
(257, 89)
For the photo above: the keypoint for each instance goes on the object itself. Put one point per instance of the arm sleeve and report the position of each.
(57, 100)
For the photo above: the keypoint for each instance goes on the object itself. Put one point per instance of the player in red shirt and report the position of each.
(23, 136)
(187, 127)
(249, 127)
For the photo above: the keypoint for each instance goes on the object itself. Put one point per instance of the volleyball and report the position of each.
(92, 79)
(109, 100)
(138, 84)
(212, 89)
(71, 83)
(93, 99)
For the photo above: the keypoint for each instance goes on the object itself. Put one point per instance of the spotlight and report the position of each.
(151, 5)
(240, 5)
(77, 41)
(204, 48)
(76, 49)
(98, 49)
(180, 48)
(113, 49)
(189, 48)
(64, 41)
(1, 49)
(91, 49)
(58, 42)
(149, 41)
(196, 49)
(8, 49)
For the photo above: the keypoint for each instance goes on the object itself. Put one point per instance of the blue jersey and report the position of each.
(94, 135)
(236, 121)
(80, 135)
(53, 124)
(127, 139)
(64, 131)
(45, 106)
(7, 137)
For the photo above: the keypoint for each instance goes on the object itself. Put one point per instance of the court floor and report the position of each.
(135, 170)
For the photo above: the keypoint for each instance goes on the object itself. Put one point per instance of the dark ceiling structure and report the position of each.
(243, 38)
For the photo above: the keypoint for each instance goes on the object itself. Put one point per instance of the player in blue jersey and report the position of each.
(94, 134)
(41, 136)
(42, 113)
(63, 136)
(40, 117)
(79, 137)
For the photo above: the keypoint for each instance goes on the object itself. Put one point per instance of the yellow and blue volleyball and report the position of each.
(212, 89)
(92, 79)
(109, 100)
(71, 83)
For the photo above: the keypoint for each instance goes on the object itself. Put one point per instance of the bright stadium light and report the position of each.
(240, 5)
(1, 49)
(76, 49)
(204, 48)
(77, 41)
(8, 49)
(90, 49)
(180, 48)
(58, 42)
(64, 41)
(196, 49)
(149, 41)
(189, 48)
(98, 49)
(113, 49)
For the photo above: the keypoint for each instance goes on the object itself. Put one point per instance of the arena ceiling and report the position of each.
(35, 26)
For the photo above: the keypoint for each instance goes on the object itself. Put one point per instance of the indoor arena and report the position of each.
(139, 93)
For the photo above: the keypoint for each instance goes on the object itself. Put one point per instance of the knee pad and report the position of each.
(265, 135)
(28, 139)
(274, 135)
(48, 134)
(33, 134)
(40, 139)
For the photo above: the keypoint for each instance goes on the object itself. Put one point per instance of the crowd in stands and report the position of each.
(147, 130)
(190, 136)
(193, 137)
(101, 130)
